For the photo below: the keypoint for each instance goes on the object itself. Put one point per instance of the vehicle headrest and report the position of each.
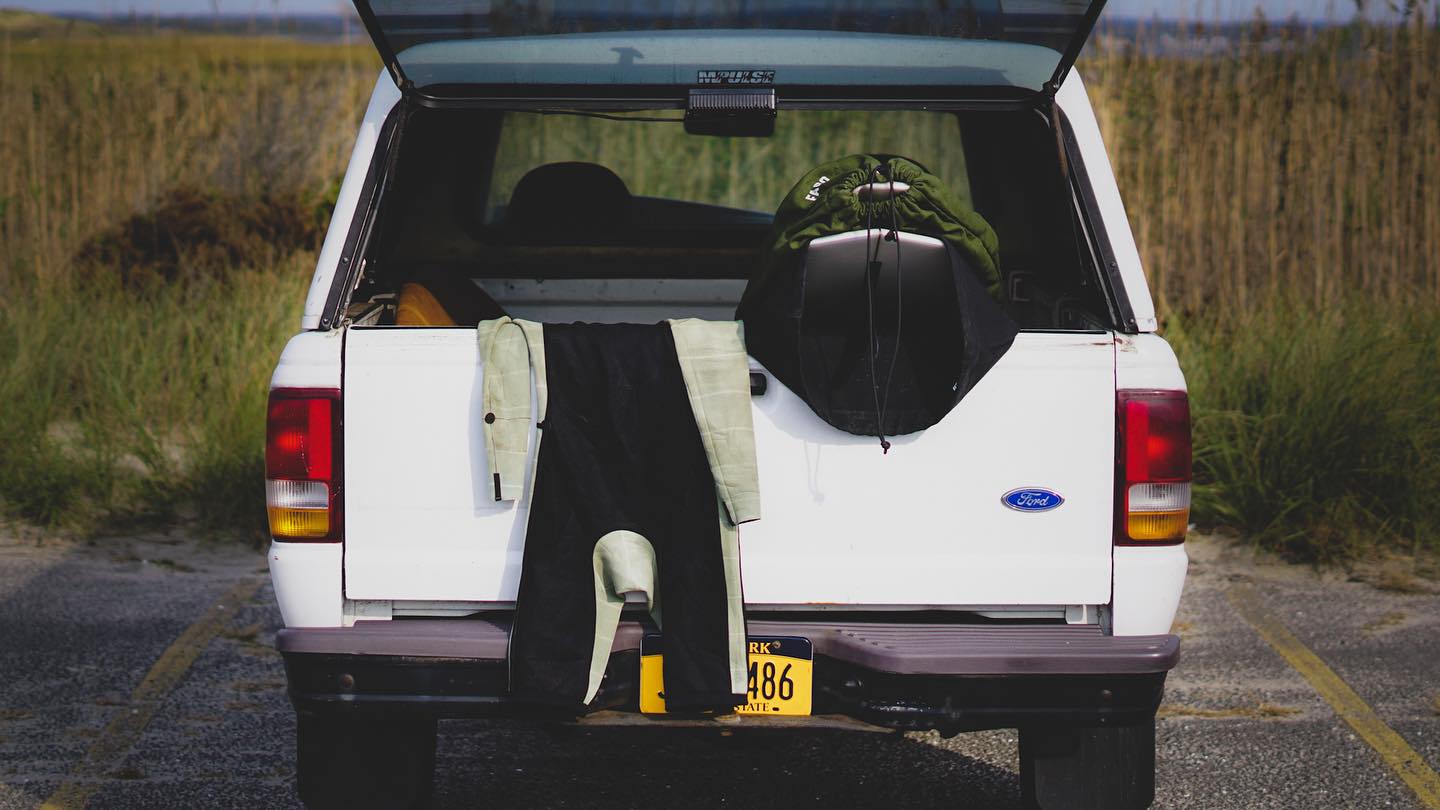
(568, 197)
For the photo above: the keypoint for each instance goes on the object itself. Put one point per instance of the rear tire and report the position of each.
(359, 761)
(1088, 768)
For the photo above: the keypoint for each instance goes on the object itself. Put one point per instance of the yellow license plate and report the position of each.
(781, 672)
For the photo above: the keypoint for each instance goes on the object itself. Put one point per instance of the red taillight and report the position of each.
(1152, 476)
(302, 463)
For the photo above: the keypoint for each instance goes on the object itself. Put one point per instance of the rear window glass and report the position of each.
(556, 211)
(985, 43)
(661, 160)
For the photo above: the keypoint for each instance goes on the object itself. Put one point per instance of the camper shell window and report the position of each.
(622, 216)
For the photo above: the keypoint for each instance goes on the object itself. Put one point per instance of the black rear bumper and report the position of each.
(906, 676)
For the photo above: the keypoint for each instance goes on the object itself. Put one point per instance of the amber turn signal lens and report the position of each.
(1158, 526)
(298, 524)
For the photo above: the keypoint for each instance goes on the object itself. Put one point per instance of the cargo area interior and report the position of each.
(603, 216)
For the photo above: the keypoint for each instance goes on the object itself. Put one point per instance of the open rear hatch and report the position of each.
(451, 49)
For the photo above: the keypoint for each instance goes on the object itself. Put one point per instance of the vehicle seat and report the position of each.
(568, 203)
(435, 298)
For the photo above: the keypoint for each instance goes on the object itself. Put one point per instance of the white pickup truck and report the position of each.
(1017, 565)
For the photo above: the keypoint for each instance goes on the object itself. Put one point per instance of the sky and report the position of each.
(1210, 10)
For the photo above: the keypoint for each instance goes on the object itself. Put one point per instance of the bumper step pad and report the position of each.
(906, 649)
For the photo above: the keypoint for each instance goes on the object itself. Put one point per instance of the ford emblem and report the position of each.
(1032, 499)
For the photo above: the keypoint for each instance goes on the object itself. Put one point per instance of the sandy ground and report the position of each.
(82, 623)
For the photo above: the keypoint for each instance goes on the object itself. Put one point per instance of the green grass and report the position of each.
(1317, 433)
(126, 406)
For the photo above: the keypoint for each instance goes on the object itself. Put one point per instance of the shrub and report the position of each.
(1316, 432)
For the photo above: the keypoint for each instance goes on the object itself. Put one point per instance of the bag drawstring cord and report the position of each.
(872, 279)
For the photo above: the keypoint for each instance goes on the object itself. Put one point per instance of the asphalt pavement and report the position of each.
(127, 681)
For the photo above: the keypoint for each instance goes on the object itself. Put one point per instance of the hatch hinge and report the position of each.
(1077, 44)
(382, 43)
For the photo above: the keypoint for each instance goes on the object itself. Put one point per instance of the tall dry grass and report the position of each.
(1300, 165)
(99, 127)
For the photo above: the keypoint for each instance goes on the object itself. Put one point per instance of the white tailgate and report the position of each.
(842, 523)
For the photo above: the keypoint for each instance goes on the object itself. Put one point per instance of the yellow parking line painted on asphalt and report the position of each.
(1353, 709)
(164, 676)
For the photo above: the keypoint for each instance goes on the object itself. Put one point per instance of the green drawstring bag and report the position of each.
(824, 203)
(940, 357)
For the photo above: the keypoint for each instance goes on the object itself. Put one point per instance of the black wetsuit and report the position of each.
(620, 450)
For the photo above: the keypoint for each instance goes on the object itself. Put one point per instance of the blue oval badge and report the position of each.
(1032, 499)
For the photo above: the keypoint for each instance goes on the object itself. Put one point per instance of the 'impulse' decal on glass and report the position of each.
(734, 77)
